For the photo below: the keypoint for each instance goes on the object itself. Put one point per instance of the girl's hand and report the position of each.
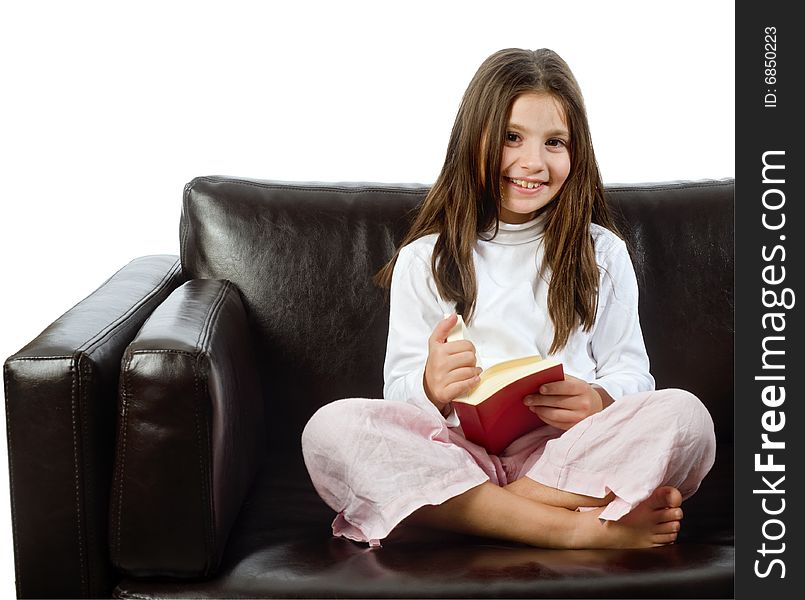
(450, 369)
(562, 404)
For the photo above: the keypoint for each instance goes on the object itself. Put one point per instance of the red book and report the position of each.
(493, 414)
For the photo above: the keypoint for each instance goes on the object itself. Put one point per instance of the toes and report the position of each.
(663, 538)
(669, 514)
(674, 497)
(670, 527)
(666, 497)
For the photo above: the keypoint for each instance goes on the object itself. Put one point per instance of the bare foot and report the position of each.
(653, 522)
(533, 490)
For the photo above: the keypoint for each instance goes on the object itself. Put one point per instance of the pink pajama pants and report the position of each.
(376, 461)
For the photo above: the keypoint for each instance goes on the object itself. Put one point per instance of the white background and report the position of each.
(108, 109)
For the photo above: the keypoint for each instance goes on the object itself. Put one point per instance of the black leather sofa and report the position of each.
(153, 429)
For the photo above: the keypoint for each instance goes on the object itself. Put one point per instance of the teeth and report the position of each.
(525, 184)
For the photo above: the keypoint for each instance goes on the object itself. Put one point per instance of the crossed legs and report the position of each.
(515, 513)
(379, 463)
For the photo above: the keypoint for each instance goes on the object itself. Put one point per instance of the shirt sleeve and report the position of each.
(622, 364)
(415, 309)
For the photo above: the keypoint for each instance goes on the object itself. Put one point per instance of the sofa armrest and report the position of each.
(190, 433)
(61, 392)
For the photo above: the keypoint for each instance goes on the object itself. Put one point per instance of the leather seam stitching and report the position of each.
(200, 448)
(75, 390)
(15, 535)
(312, 187)
(203, 432)
(96, 340)
(126, 397)
(121, 467)
(84, 368)
(212, 314)
(626, 190)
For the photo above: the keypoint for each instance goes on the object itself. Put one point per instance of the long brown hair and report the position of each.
(465, 199)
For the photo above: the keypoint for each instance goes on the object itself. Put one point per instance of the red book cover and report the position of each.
(493, 414)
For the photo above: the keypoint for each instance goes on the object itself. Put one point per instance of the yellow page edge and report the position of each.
(502, 374)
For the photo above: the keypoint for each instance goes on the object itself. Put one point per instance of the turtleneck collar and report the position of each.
(512, 234)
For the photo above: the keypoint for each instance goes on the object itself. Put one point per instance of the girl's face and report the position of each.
(536, 156)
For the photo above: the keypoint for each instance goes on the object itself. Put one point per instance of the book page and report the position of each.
(502, 374)
(459, 331)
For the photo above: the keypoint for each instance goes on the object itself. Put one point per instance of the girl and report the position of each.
(515, 236)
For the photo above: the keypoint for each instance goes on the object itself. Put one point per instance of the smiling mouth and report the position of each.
(525, 184)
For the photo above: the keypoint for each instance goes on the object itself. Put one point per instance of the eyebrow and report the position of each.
(554, 132)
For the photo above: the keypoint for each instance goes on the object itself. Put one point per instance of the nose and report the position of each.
(532, 158)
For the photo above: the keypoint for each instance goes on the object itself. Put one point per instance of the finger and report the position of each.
(554, 415)
(564, 388)
(454, 390)
(459, 346)
(549, 421)
(442, 329)
(550, 401)
(462, 374)
(462, 359)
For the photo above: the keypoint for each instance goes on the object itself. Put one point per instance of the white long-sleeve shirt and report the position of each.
(511, 314)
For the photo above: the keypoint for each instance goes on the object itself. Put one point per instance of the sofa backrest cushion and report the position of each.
(681, 239)
(303, 256)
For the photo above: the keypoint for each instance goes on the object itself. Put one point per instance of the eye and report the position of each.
(512, 137)
(556, 143)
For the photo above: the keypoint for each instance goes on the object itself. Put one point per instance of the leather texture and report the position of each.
(681, 238)
(301, 256)
(281, 547)
(190, 433)
(61, 393)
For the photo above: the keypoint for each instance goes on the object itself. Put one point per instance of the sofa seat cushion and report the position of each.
(281, 546)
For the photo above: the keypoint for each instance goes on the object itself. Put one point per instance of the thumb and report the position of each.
(442, 329)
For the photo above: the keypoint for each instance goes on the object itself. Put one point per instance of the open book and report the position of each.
(492, 414)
